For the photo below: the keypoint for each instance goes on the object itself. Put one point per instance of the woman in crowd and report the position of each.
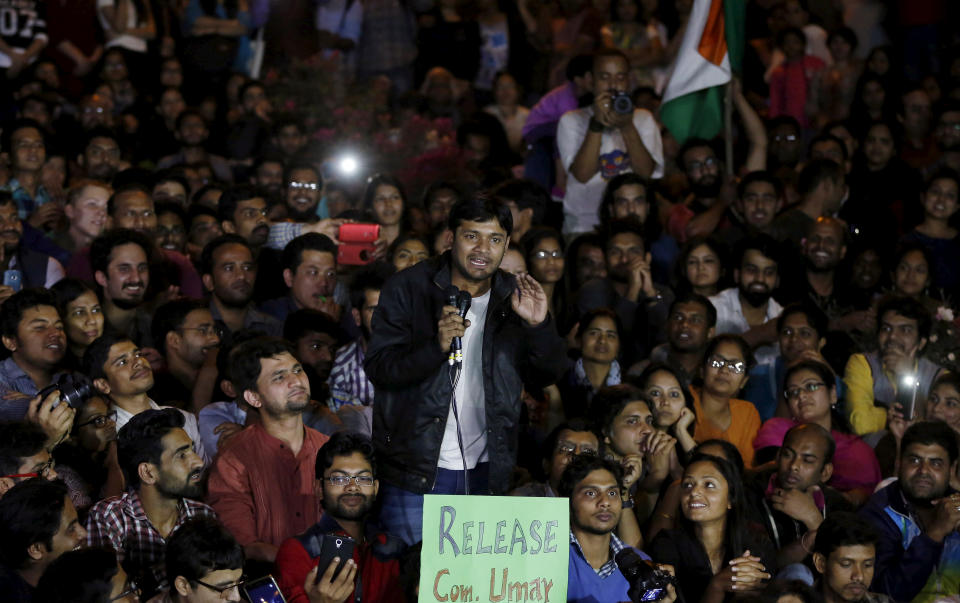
(811, 393)
(545, 259)
(599, 341)
(912, 274)
(943, 403)
(936, 233)
(719, 414)
(712, 552)
(672, 404)
(385, 200)
(514, 260)
(507, 109)
(82, 317)
(700, 266)
(408, 250)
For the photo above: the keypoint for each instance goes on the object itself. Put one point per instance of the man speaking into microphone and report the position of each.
(433, 437)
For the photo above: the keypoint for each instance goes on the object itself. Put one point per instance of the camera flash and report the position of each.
(348, 165)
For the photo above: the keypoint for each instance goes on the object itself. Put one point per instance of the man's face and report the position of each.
(69, 536)
(630, 200)
(181, 469)
(303, 194)
(127, 372)
(924, 472)
(848, 571)
(899, 334)
(127, 277)
(591, 263)
(785, 145)
(352, 501)
(41, 463)
(170, 233)
(610, 73)
(801, 462)
(760, 204)
(88, 213)
(757, 277)
(622, 249)
(797, 337)
(314, 280)
(916, 113)
(27, 151)
(878, 146)
(253, 96)
(11, 229)
(224, 578)
(290, 140)
(193, 131)
(478, 248)
(371, 297)
(439, 209)
(101, 158)
(41, 341)
(171, 105)
(170, 190)
(948, 129)
(823, 248)
(134, 210)
(317, 350)
(282, 387)
(687, 329)
(196, 338)
(203, 229)
(234, 273)
(250, 221)
(595, 503)
(703, 172)
(570, 444)
(269, 175)
(96, 110)
(631, 428)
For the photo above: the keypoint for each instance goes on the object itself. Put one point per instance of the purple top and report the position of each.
(549, 110)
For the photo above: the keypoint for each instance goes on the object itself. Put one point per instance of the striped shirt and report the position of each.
(348, 375)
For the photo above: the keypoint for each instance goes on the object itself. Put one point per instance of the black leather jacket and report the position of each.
(405, 363)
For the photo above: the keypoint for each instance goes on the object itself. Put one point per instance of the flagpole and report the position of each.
(728, 127)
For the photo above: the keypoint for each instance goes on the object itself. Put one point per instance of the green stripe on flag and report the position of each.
(734, 24)
(695, 115)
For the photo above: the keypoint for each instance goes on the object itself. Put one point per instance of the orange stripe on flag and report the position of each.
(713, 42)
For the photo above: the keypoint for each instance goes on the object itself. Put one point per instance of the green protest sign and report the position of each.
(494, 549)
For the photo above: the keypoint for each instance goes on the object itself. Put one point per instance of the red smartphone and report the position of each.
(356, 243)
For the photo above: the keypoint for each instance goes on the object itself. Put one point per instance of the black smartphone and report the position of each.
(331, 547)
(907, 395)
(263, 590)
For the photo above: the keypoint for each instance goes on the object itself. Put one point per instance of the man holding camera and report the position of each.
(603, 140)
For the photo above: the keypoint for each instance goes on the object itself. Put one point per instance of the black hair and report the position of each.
(737, 340)
(251, 83)
(589, 239)
(587, 318)
(102, 247)
(583, 465)
(608, 53)
(908, 308)
(17, 304)
(304, 321)
(578, 66)
(931, 433)
(6, 141)
(437, 186)
(245, 360)
(188, 112)
(480, 209)
(814, 315)
(141, 440)
(227, 206)
(403, 238)
(100, 132)
(169, 317)
(781, 36)
(375, 182)
(370, 278)
(943, 173)
(769, 178)
(80, 576)
(345, 443)
(823, 433)
(526, 193)
(206, 256)
(610, 401)
(844, 528)
(19, 440)
(689, 297)
(206, 188)
(575, 424)
(828, 137)
(67, 290)
(838, 420)
(651, 225)
(662, 367)
(96, 355)
(121, 187)
(532, 238)
(846, 33)
(292, 255)
(199, 546)
(174, 174)
(628, 225)
(172, 207)
(680, 265)
(764, 243)
(692, 143)
(735, 530)
(816, 172)
(6, 198)
(731, 453)
(30, 512)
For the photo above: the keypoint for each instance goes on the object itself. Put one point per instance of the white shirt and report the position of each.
(730, 319)
(469, 395)
(582, 200)
(127, 41)
(189, 425)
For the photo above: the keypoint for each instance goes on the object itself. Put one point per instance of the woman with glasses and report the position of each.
(87, 460)
(82, 318)
(546, 262)
(719, 414)
(810, 391)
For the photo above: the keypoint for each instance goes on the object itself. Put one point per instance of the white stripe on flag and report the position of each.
(690, 71)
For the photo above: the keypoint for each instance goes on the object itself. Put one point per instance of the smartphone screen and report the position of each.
(907, 396)
(334, 546)
(13, 279)
(264, 590)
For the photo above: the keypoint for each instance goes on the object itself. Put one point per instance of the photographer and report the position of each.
(598, 142)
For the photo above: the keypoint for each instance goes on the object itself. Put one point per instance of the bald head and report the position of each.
(805, 458)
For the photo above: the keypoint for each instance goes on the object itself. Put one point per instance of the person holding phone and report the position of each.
(343, 550)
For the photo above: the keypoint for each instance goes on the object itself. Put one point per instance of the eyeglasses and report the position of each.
(736, 367)
(794, 392)
(311, 186)
(224, 590)
(100, 420)
(38, 471)
(785, 137)
(571, 449)
(205, 330)
(250, 213)
(364, 481)
(132, 590)
(709, 162)
(543, 254)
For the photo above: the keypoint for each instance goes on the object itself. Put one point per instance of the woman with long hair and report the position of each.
(546, 261)
(385, 200)
(671, 403)
(598, 366)
(700, 266)
(82, 316)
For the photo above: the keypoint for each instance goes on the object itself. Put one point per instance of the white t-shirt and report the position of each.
(730, 319)
(581, 201)
(132, 43)
(469, 397)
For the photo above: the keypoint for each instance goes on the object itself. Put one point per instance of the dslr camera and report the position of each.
(74, 390)
(621, 102)
(647, 583)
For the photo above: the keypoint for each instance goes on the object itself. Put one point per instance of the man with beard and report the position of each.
(164, 481)
(845, 556)
(86, 211)
(346, 469)
(121, 268)
(434, 434)
(188, 338)
(822, 187)
(192, 133)
(316, 338)
(229, 273)
(267, 174)
(100, 158)
(691, 324)
(749, 308)
(629, 290)
(917, 518)
(262, 485)
(302, 198)
(36, 268)
(874, 379)
(703, 211)
(759, 199)
(310, 271)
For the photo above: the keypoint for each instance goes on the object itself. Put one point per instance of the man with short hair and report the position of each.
(567, 441)
(204, 563)
(346, 468)
(242, 210)
(250, 132)
(100, 159)
(703, 210)
(749, 308)
(37, 269)
(759, 200)
(185, 333)
(691, 323)
(192, 132)
(822, 187)
(873, 379)
(310, 271)
(202, 227)
(823, 248)
(120, 262)
(38, 523)
(262, 485)
(267, 174)
(86, 211)
(171, 231)
(164, 481)
(845, 556)
(597, 142)
(302, 200)
(316, 337)
(528, 202)
(23, 454)
(916, 518)
(25, 143)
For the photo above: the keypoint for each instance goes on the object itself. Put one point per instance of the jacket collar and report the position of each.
(501, 286)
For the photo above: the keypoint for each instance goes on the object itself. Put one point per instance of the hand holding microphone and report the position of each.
(453, 322)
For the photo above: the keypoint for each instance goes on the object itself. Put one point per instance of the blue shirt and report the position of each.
(26, 204)
(16, 390)
(214, 414)
(606, 585)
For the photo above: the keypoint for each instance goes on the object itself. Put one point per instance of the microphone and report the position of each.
(461, 300)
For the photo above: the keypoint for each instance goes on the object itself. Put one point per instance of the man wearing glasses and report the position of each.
(346, 469)
(302, 197)
(23, 454)
(204, 563)
(568, 440)
(185, 333)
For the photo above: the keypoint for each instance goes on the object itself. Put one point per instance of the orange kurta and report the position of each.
(744, 425)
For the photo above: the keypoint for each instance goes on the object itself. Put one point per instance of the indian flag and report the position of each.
(712, 48)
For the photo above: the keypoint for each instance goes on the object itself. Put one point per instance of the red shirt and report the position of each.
(261, 491)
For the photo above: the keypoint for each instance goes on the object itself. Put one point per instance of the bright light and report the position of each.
(348, 165)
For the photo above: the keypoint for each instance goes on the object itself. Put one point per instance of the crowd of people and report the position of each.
(738, 361)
